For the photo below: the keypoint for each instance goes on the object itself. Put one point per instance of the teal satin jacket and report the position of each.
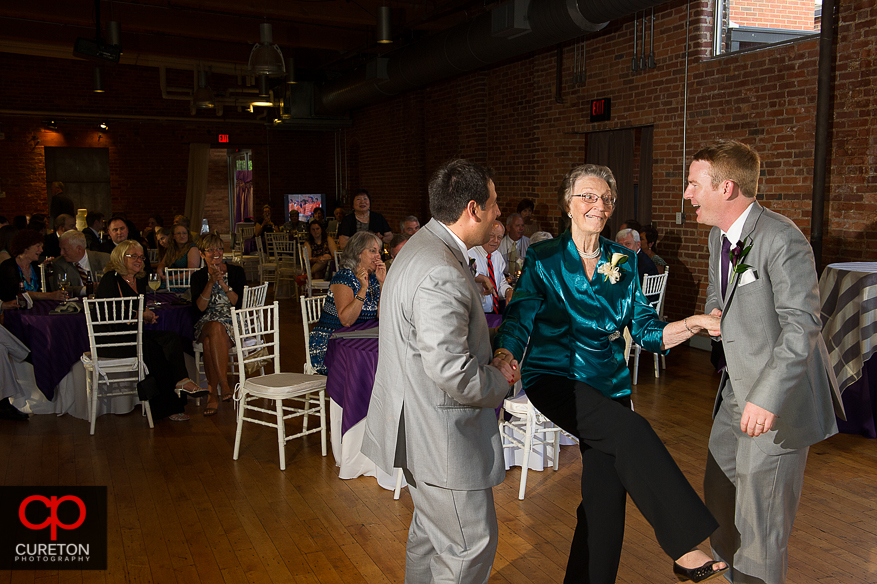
(574, 326)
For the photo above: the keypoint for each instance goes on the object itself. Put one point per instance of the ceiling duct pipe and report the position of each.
(486, 39)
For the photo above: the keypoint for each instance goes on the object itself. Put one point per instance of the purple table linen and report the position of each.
(57, 342)
(860, 403)
(351, 366)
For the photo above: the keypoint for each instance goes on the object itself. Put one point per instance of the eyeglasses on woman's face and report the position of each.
(135, 257)
(608, 200)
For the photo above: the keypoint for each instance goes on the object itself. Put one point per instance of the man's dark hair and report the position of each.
(158, 220)
(633, 224)
(526, 204)
(453, 185)
(90, 218)
(20, 222)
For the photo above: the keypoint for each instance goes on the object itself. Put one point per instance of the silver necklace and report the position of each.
(589, 255)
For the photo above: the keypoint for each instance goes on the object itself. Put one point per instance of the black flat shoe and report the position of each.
(701, 574)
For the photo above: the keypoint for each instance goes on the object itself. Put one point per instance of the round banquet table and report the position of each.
(55, 377)
(351, 362)
(849, 328)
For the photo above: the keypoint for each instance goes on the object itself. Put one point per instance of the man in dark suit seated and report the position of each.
(51, 246)
(629, 238)
(95, 222)
(75, 261)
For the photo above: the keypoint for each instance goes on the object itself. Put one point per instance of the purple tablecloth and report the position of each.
(860, 403)
(57, 342)
(351, 366)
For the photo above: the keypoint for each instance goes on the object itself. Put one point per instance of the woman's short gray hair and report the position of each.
(357, 244)
(564, 192)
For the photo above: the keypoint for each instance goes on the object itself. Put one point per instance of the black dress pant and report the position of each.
(163, 355)
(621, 454)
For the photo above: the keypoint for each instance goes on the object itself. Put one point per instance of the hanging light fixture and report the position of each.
(203, 97)
(290, 70)
(264, 98)
(98, 82)
(384, 33)
(266, 58)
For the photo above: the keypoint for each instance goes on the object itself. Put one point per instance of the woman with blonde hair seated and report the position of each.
(162, 350)
(181, 251)
(216, 288)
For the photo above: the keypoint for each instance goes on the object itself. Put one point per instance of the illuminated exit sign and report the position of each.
(223, 138)
(601, 109)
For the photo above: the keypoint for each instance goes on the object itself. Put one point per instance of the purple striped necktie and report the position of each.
(726, 261)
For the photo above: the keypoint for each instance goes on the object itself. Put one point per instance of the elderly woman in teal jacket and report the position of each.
(575, 296)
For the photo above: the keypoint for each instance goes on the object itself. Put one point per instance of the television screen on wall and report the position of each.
(304, 204)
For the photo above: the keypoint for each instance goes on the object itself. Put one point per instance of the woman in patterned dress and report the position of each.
(216, 288)
(321, 249)
(354, 293)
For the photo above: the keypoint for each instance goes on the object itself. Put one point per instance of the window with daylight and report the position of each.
(749, 24)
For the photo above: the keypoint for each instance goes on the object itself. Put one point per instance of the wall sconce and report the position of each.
(52, 125)
(104, 126)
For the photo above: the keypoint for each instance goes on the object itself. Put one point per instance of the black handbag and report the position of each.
(147, 389)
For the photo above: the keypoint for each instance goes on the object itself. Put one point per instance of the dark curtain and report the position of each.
(615, 150)
(644, 208)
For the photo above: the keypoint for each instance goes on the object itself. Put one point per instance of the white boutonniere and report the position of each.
(610, 270)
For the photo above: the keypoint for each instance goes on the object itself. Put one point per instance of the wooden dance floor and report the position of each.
(181, 510)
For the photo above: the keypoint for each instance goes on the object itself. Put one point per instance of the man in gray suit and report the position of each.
(75, 260)
(778, 393)
(437, 386)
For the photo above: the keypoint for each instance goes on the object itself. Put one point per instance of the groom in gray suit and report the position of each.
(778, 393)
(437, 386)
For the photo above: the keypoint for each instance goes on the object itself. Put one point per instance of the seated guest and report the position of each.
(540, 236)
(396, 244)
(409, 225)
(22, 270)
(7, 232)
(75, 261)
(153, 222)
(51, 245)
(526, 208)
(629, 238)
(187, 223)
(363, 219)
(649, 240)
(321, 249)
(37, 222)
(162, 237)
(216, 288)
(117, 229)
(265, 225)
(339, 213)
(294, 225)
(320, 216)
(94, 225)
(489, 265)
(162, 350)
(181, 252)
(513, 246)
(354, 293)
(631, 224)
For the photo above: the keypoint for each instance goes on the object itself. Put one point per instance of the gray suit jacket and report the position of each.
(433, 364)
(97, 261)
(771, 332)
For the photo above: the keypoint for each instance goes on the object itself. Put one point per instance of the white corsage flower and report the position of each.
(610, 270)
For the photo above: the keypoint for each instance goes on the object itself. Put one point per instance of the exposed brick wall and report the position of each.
(506, 116)
(787, 14)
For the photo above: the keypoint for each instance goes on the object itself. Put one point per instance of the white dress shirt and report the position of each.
(478, 254)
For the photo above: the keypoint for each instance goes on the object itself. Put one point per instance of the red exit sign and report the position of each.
(223, 138)
(601, 109)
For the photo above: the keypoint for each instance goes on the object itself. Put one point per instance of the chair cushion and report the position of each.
(282, 384)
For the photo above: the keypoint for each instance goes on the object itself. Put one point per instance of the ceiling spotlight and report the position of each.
(203, 96)
(98, 82)
(104, 126)
(52, 125)
(266, 58)
(384, 32)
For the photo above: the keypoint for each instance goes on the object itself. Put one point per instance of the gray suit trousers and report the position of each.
(753, 495)
(452, 537)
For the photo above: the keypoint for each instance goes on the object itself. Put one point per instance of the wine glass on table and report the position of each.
(154, 284)
(63, 285)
